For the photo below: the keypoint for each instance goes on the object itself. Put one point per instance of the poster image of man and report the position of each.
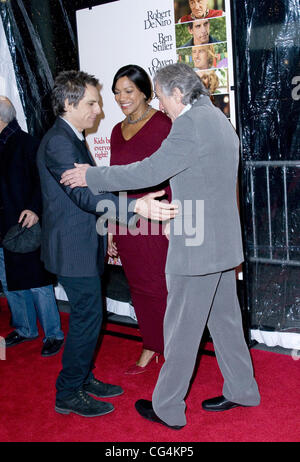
(210, 56)
(189, 10)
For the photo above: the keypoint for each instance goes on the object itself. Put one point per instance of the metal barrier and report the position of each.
(284, 165)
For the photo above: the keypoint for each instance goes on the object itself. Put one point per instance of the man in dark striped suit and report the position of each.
(71, 247)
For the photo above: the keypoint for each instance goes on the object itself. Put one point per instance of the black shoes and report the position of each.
(14, 339)
(102, 390)
(84, 405)
(145, 409)
(220, 403)
(51, 347)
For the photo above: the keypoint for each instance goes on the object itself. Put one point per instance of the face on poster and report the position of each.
(189, 10)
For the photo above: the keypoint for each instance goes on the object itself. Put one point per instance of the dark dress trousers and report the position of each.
(72, 249)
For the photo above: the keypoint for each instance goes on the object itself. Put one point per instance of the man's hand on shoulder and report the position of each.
(75, 177)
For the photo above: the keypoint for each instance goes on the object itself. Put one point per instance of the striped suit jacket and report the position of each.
(70, 243)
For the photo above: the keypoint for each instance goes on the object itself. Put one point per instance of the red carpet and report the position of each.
(27, 396)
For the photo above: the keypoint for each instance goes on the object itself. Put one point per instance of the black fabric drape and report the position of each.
(42, 39)
(267, 42)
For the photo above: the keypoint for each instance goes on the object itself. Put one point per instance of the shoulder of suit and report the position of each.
(202, 101)
(25, 139)
(61, 124)
(61, 128)
(58, 132)
(198, 108)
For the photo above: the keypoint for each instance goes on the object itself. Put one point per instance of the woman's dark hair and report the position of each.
(70, 85)
(138, 76)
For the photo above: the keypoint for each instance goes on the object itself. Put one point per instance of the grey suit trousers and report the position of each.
(192, 302)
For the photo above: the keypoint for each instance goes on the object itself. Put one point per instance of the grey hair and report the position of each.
(7, 110)
(184, 78)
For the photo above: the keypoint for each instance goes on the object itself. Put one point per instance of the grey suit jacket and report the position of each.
(200, 157)
(70, 243)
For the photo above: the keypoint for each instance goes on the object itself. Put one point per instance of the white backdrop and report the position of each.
(125, 32)
(111, 36)
(130, 32)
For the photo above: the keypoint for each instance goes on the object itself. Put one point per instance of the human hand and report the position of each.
(148, 207)
(30, 219)
(111, 246)
(76, 176)
(166, 229)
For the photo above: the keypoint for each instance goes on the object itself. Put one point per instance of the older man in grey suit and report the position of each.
(200, 156)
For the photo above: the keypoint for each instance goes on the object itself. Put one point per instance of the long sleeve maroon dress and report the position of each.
(143, 256)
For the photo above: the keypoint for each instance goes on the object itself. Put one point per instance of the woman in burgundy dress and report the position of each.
(142, 251)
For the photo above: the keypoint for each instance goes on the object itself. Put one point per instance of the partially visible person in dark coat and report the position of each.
(26, 284)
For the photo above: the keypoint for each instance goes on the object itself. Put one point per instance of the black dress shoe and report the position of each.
(51, 347)
(14, 339)
(145, 409)
(102, 390)
(220, 403)
(83, 404)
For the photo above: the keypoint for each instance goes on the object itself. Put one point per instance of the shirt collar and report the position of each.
(77, 132)
(185, 109)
